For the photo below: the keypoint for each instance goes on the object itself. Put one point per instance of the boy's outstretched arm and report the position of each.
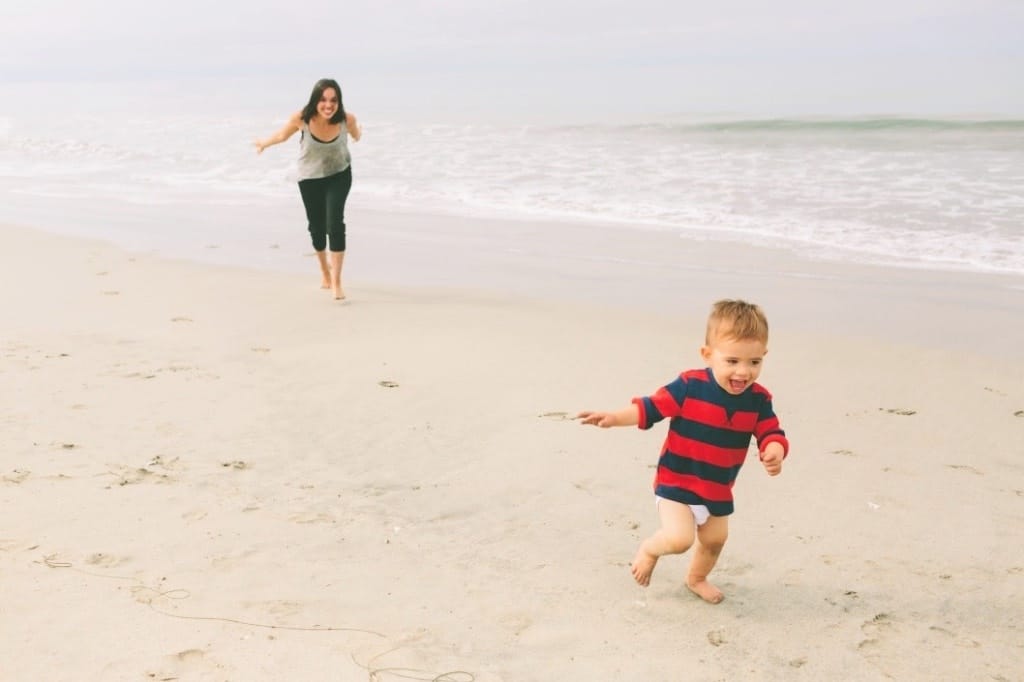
(629, 416)
(772, 457)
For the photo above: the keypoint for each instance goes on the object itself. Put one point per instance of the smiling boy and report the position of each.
(713, 414)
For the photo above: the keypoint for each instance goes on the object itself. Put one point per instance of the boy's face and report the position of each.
(735, 363)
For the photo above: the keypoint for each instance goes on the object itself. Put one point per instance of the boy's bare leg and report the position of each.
(325, 270)
(711, 538)
(337, 260)
(674, 537)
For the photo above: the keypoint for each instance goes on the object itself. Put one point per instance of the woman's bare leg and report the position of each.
(337, 260)
(325, 270)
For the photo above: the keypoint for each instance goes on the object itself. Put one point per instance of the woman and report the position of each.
(325, 172)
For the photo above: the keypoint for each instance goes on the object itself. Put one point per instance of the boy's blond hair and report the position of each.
(737, 320)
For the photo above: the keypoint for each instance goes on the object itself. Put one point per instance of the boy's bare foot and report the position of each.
(706, 591)
(642, 567)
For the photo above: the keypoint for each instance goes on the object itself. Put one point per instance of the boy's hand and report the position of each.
(603, 419)
(772, 457)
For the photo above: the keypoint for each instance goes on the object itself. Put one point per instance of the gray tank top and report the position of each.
(320, 159)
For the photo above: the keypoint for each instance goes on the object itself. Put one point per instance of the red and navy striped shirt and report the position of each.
(709, 433)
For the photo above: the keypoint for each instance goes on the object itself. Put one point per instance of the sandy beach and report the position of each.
(219, 473)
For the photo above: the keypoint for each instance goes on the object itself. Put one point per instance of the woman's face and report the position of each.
(328, 104)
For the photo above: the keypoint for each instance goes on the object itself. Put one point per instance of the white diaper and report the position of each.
(700, 512)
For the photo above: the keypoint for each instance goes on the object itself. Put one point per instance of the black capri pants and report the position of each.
(324, 199)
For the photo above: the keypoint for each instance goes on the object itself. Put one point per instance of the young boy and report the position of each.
(713, 413)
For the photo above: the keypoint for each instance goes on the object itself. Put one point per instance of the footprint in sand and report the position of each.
(881, 619)
(844, 601)
(185, 665)
(16, 476)
(104, 560)
(190, 655)
(897, 410)
(181, 319)
(1019, 413)
(231, 560)
(165, 464)
(561, 416)
(130, 475)
(236, 464)
(875, 628)
(516, 623)
(111, 293)
(188, 372)
(280, 607)
(311, 517)
(965, 642)
(716, 637)
(387, 384)
(965, 467)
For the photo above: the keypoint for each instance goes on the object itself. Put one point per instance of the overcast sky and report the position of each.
(630, 56)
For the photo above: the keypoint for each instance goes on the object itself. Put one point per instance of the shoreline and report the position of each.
(599, 265)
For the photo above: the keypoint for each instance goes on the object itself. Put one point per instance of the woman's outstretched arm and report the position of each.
(287, 130)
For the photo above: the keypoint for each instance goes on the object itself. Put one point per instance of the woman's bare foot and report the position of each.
(339, 293)
(642, 567)
(705, 590)
(325, 283)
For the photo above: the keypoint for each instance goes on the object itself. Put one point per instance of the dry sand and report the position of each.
(211, 473)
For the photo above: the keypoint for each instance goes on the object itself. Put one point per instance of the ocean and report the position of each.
(171, 169)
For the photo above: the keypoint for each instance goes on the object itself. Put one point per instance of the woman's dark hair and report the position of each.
(309, 111)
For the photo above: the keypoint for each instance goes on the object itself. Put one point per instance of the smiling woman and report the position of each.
(325, 172)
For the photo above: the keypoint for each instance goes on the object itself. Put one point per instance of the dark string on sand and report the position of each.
(412, 673)
(374, 673)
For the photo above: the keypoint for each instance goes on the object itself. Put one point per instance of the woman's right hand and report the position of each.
(290, 128)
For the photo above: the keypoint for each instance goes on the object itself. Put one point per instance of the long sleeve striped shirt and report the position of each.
(709, 434)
